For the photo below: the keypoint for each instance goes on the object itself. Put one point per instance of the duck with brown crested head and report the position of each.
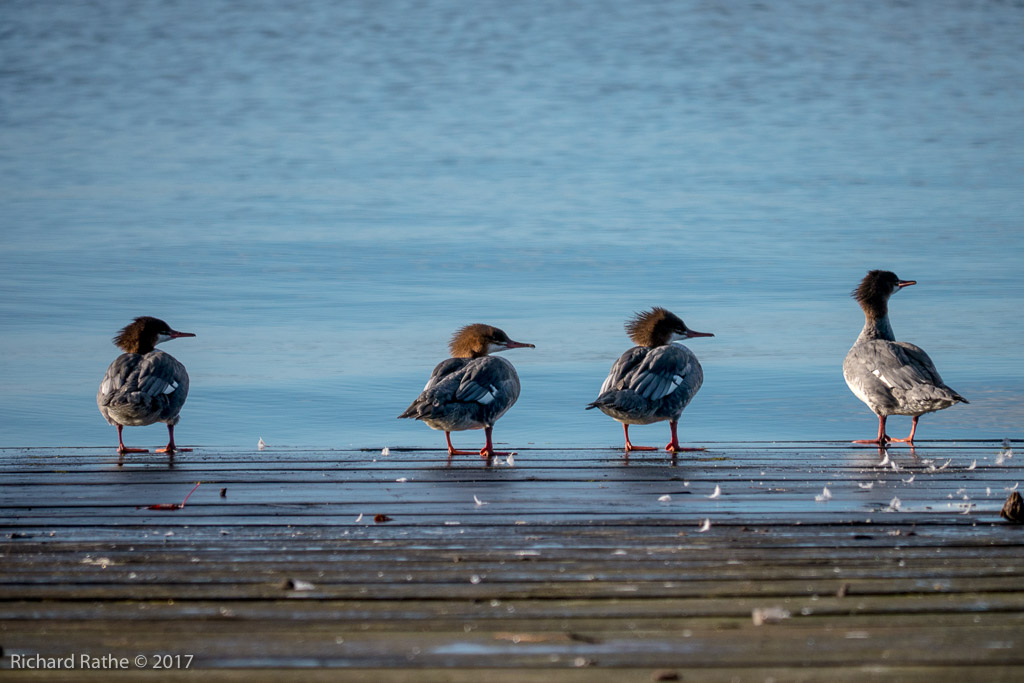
(472, 389)
(656, 379)
(143, 386)
(891, 377)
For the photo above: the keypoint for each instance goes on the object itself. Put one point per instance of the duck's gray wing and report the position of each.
(623, 368)
(896, 378)
(444, 370)
(933, 388)
(143, 389)
(463, 392)
(655, 383)
(438, 390)
(491, 385)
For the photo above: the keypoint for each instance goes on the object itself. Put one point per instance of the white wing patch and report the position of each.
(169, 389)
(488, 398)
(881, 378)
(666, 386)
(105, 387)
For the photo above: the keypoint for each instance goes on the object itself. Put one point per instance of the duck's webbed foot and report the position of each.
(673, 445)
(452, 450)
(882, 439)
(629, 446)
(121, 448)
(488, 452)
(170, 448)
(913, 429)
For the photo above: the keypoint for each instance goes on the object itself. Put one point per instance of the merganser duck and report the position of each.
(142, 385)
(891, 377)
(654, 380)
(472, 389)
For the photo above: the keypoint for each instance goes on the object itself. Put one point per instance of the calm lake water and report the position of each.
(322, 192)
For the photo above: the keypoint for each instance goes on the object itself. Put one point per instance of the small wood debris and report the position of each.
(297, 585)
(381, 518)
(843, 590)
(533, 637)
(173, 506)
(224, 493)
(101, 562)
(1013, 509)
(665, 675)
(768, 615)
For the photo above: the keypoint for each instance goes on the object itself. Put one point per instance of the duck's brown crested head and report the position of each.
(476, 340)
(874, 291)
(656, 327)
(144, 333)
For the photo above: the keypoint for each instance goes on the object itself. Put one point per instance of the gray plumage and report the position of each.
(891, 377)
(896, 378)
(143, 385)
(141, 389)
(649, 385)
(470, 390)
(466, 393)
(656, 379)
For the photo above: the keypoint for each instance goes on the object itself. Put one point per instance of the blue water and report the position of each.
(322, 192)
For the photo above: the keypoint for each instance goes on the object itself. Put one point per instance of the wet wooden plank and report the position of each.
(584, 674)
(570, 561)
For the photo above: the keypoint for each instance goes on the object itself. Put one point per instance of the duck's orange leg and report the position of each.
(882, 438)
(121, 448)
(673, 445)
(630, 446)
(913, 428)
(452, 450)
(170, 447)
(488, 452)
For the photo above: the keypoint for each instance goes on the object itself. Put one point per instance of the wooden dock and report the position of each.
(570, 565)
